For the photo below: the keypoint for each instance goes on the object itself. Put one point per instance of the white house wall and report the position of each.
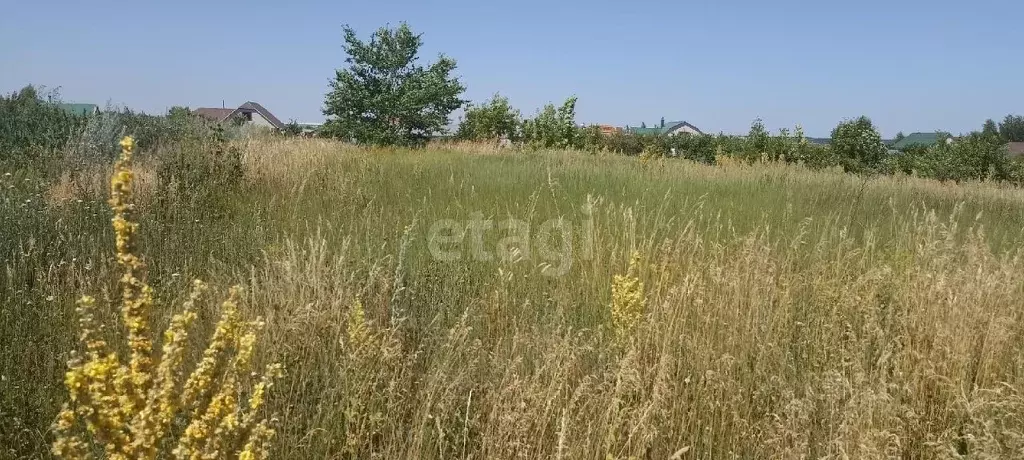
(258, 120)
(683, 130)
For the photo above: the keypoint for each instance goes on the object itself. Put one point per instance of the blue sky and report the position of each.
(909, 65)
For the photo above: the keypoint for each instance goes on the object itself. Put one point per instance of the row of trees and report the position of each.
(1011, 129)
(32, 121)
(385, 97)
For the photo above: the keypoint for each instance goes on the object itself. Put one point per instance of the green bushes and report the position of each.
(28, 123)
(858, 145)
(758, 145)
(32, 125)
(492, 120)
(973, 157)
(554, 127)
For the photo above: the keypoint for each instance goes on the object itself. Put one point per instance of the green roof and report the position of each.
(80, 109)
(917, 139)
(646, 130)
(668, 126)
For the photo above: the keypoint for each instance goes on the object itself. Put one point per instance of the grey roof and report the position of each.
(674, 125)
(669, 127)
(262, 111)
(214, 114)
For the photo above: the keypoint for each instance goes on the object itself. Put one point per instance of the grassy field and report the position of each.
(769, 312)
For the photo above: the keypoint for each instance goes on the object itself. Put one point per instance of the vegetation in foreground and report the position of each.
(734, 311)
(138, 409)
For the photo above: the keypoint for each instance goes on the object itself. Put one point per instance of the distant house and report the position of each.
(919, 140)
(671, 128)
(249, 113)
(603, 129)
(80, 109)
(309, 129)
(1015, 149)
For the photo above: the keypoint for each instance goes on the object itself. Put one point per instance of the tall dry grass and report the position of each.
(783, 313)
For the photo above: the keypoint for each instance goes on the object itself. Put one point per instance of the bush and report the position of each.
(972, 157)
(491, 120)
(553, 128)
(697, 147)
(858, 145)
(30, 124)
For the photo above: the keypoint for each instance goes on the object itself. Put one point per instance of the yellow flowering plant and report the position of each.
(129, 410)
(628, 302)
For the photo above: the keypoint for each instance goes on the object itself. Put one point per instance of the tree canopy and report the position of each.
(1012, 128)
(384, 97)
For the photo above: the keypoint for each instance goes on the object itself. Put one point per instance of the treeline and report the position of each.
(193, 157)
(34, 124)
(855, 145)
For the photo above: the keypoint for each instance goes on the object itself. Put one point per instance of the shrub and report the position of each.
(624, 143)
(553, 128)
(973, 157)
(491, 120)
(757, 143)
(696, 147)
(30, 124)
(858, 145)
(132, 409)
(292, 129)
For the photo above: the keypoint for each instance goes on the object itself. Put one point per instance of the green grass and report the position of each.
(790, 313)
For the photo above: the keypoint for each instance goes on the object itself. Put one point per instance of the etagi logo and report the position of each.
(553, 241)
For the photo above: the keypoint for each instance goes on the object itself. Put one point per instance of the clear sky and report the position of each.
(909, 65)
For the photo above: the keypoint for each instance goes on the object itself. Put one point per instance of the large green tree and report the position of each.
(1012, 128)
(384, 96)
(990, 128)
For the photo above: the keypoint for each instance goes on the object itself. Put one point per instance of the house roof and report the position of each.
(669, 127)
(674, 125)
(219, 115)
(262, 111)
(645, 130)
(214, 114)
(921, 139)
(79, 109)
